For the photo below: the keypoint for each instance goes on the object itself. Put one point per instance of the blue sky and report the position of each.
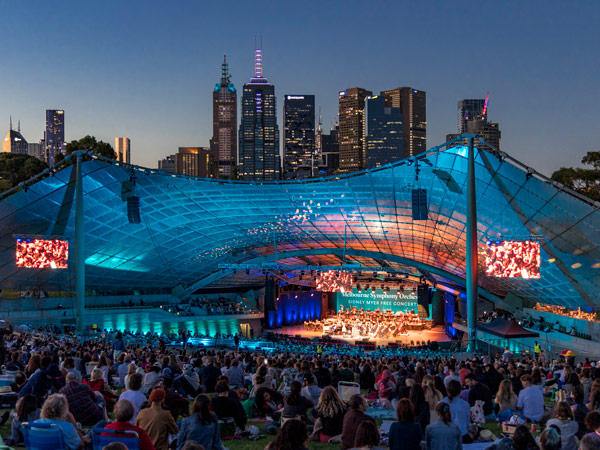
(146, 69)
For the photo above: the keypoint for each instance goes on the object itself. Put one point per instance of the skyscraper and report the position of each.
(299, 157)
(383, 132)
(14, 142)
(223, 145)
(167, 164)
(330, 151)
(259, 133)
(122, 148)
(193, 161)
(351, 134)
(470, 109)
(55, 134)
(413, 107)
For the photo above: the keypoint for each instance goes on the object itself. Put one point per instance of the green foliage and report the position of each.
(90, 143)
(583, 180)
(16, 168)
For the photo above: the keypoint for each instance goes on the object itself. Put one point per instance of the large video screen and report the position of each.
(35, 253)
(332, 281)
(513, 259)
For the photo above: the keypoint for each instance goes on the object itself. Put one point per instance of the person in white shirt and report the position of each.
(530, 400)
(134, 395)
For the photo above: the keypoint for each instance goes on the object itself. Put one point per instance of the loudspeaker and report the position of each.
(133, 209)
(419, 204)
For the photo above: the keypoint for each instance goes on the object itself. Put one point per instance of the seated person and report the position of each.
(26, 410)
(224, 407)
(295, 405)
(124, 411)
(85, 406)
(353, 418)
(56, 411)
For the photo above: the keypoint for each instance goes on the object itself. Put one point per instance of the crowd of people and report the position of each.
(175, 398)
(366, 324)
(569, 312)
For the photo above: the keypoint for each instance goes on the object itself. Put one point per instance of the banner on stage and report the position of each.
(393, 300)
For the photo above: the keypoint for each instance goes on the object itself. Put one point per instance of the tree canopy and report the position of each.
(16, 168)
(584, 180)
(91, 144)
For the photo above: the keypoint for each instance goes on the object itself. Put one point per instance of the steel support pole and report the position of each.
(79, 247)
(471, 247)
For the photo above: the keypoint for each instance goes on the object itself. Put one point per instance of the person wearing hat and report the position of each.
(42, 381)
(157, 422)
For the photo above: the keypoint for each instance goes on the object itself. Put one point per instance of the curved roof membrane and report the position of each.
(190, 226)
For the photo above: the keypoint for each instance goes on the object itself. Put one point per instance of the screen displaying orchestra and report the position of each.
(511, 259)
(42, 253)
(376, 324)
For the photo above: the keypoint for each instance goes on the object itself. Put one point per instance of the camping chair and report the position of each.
(43, 436)
(347, 389)
(102, 437)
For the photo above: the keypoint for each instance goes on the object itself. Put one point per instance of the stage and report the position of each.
(411, 337)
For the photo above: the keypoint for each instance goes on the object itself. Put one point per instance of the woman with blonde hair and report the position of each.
(55, 410)
(131, 369)
(432, 396)
(506, 399)
(330, 411)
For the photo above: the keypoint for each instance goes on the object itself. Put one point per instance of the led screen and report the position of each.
(332, 281)
(513, 259)
(42, 253)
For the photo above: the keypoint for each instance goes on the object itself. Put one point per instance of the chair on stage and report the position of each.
(347, 389)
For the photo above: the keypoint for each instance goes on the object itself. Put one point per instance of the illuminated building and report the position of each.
(259, 132)
(193, 161)
(223, 145)
(299, 157)
(383, 132)
(167, 164)
(470, 109)
(14, 142)
(351, 135)
(122, 148)
(413, 107)
(55, 134)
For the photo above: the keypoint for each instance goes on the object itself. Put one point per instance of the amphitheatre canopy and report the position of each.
(190, 227)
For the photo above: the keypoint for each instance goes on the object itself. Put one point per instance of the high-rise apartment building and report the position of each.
(470, 109)
(351, 133)
(193, 161)
(36, 150)
(122, 148)
(14, 142)
(413, 107)
(259, 132)
(299, 157)
(54, 134)
(223, 145)
(383, 132)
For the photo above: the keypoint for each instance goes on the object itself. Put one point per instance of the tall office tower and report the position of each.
(223, 145)
(470, 109)
(122, 148)
(383, 132)
(36, 150)
(193, 161)
(413, 107)
(330, 151)
(55, 134)
(14, 142)
(299, 158)
(351, 134)
(259, 133)
(167, 164)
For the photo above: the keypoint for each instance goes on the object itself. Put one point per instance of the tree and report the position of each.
(90, 144)
(586, 181)
(16, 168)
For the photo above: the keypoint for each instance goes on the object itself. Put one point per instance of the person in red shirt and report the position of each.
(463, 372)
(123, 414)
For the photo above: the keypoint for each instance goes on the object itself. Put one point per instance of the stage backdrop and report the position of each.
(395, 300)
(295, 308)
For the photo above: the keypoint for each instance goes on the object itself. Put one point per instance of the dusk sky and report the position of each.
(146, 69)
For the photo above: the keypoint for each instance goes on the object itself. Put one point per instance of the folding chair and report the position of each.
(43, 436)
(102, 437)
(347, 389)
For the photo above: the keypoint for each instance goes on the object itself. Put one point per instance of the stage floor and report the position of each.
(435, 334)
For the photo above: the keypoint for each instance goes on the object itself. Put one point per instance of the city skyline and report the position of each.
(537, 57)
